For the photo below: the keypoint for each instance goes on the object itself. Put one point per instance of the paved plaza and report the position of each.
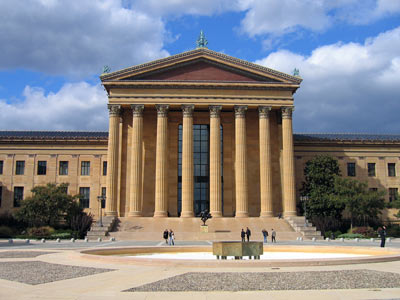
(55, 270)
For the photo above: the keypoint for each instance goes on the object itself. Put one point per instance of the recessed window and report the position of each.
(371, 170)
(84, 201)
(85, 168)
(41, 168)
(351, 169)
(20, 167)
(18, 195)
(63, 168)
(1, 167)
(391, 169)
(104, 168)
(393, 192)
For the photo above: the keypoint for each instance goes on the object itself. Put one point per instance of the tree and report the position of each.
(48, 205)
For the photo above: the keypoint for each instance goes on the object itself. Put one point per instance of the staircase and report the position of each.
(97, 231)
(300, 224)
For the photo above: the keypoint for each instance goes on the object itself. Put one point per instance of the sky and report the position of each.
(348, 53)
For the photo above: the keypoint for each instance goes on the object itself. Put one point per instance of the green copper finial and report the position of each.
(106, 69)
(296, 72)
(202, 41)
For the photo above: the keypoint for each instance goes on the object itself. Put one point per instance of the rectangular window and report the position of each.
(65, 189)
(1, 194)
(85, 197)
(63, 168)
(41, 167)
(351, 169)
(103, 193)
(371, 170)
(104, 168)
(85, 168)
(391, 169)
(18, 195)
(393, 194)
(20, 167)
(1, 167)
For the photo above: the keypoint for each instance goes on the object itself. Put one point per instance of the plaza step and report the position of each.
(101, 230)
(302, 225)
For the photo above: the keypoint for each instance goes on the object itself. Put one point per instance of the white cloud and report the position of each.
(76, 38)
(346, 85)
(76, 106)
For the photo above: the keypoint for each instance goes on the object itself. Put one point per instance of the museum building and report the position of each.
(193, 131)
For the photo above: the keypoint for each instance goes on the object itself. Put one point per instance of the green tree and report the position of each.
(48, 205)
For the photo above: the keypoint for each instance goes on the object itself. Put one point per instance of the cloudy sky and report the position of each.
(348, 53)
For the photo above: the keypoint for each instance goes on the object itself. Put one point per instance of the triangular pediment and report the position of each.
(200, 65)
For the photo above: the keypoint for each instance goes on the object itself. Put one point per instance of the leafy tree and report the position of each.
(395, 204)
(48, 205)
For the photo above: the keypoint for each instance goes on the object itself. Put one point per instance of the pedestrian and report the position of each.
(382, 234)
(248, 234)
(265, 235)
(171, 237)
(242, 235)
(273, 236)
(165, 236)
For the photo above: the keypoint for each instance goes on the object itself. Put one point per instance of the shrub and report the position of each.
(393, 230)
(40, 232)
(6, 232)
(367, 232)
(62, 235)
(351, 236)
(81, 224)
(7, 219)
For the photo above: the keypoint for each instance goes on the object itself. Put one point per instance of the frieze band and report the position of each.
(188, 110)
(287, 112)
(215, 111)
(137, 110)
(264, 111)
(162, 110)
(240, 111)
(114, 110)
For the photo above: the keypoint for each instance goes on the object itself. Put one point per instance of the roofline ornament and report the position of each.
(201, 41)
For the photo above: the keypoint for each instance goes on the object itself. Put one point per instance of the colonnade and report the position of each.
(161, 178)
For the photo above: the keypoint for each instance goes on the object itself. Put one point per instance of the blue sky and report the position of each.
(348, 53)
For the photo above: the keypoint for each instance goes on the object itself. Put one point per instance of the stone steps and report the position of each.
(302, 225)
(98, 231)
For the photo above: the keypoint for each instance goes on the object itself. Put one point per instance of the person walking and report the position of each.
(171, 238)
(273, 236)
(242, 235)
(165, 236)
(265, 235)
(248, 234)
(382, 234)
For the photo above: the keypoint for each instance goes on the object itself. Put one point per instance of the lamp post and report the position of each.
(305, 199)
(100, 200)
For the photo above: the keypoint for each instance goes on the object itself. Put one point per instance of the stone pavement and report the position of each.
(54, 270)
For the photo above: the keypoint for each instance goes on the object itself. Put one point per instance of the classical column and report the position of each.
(289, 192)
(161, 201)
(187, 162)
(215, 161)
(242, 209)
(135, 208)
(112, 160)
(265, 162)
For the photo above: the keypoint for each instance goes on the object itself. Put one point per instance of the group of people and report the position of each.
(247, 234)
(169, 237)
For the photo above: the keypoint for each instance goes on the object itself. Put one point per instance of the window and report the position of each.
(41, 167)
(18, 195)
(1, 194)
(20, 167)
(63, 168)
(104, 168)
(391, 169)
(351, 169)
(103, 193)
(65, 189)
(1, 167)
(85, 197)
(85, 168)
(393, 194)
(371, 170)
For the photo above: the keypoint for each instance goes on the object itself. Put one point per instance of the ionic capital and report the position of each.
(215, 111)
(287, 112)
(114, 110)
(187, 110)
(137, 110)
(162, 110)
(264, 111)
(240, 111)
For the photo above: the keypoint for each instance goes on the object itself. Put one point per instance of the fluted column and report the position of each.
(135, 208)
(187, 162)
(289, 192)
(265, 162)
(161, 201)
(112, 160)
(215, 161)
(242, 209)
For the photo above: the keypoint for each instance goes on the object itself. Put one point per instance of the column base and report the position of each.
(242, 214)
(266, 214)
(187, 214)
(216, 214)
(111, 213)
(160, 214)
(135, 214)
(289, 213)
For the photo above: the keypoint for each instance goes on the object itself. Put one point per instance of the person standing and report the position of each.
(171, 237)
(165, 236)
(248, 234)
(273, 236)
(242, 235)
(265, 235)
(382, 234)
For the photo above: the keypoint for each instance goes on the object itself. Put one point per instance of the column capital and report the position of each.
(162, 110)
(137, 110)
(287, 112)
(187, 110)
(264, 111)
(114, 109)
(215, 111)
(240, 111)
